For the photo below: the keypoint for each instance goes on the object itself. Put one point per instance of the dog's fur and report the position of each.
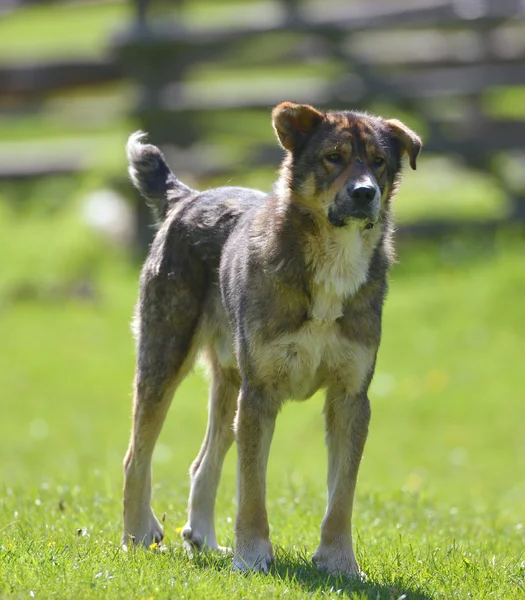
(283, 295)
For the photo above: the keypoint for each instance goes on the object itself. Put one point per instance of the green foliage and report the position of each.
(440, 498)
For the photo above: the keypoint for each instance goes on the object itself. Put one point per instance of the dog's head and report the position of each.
(343, 164)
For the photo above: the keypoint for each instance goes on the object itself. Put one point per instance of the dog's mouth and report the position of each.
(364, 218)
(360, 215)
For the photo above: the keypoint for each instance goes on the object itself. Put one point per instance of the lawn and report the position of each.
(439, 510)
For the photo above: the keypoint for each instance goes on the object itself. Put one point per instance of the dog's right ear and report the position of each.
(293, 123)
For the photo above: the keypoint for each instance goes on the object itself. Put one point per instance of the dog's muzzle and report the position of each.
(360, 203)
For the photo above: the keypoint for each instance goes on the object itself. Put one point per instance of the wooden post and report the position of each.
(141, 7)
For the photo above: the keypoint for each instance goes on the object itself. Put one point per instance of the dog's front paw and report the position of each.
(256, 555)
(337, 560)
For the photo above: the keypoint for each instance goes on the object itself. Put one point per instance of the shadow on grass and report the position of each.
(298, 570)
(303, 572)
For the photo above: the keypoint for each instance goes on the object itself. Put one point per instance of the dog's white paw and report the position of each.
(337, 560)
(257, 555)
(193, 540)
(145, 532)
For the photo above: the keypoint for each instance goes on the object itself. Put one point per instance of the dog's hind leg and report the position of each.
(205, 471)
(168, 315)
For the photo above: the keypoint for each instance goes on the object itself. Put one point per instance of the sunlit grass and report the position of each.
(440, 498)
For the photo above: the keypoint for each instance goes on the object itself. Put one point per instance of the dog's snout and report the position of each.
(363, 194)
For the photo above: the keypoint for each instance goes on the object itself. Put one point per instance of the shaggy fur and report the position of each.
(283, 295)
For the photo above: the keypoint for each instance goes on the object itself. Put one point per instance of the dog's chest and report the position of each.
(339, 265)
(299, 363)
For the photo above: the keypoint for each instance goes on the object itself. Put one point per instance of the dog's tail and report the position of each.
(152, 177)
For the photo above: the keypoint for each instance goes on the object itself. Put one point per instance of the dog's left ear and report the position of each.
(293, 123)
(409, 140)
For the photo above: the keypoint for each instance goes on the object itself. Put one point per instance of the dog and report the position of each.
(282, 294)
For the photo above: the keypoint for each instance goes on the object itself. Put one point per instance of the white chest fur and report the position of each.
(340, 261)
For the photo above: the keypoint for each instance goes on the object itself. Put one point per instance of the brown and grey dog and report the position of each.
(283, 295)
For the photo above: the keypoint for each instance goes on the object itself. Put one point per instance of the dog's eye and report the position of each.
(334, 157)
(379, 161)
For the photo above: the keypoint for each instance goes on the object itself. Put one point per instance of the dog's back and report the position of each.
(206, 218)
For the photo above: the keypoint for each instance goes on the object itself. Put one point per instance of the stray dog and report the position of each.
(283, 294)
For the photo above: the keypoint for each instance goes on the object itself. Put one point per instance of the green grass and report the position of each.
(439, 511)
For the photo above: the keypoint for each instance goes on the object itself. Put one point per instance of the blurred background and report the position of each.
(77, 77)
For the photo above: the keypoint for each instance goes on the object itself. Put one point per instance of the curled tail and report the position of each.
(152, 177)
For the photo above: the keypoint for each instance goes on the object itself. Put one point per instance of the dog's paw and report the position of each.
(192, 539)
(195, 541)
(337, 560)
(146, 533)
(254, 556)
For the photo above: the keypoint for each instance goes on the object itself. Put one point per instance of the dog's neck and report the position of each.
(337, 259)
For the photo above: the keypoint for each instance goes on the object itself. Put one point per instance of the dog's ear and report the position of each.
(409, 140)
(293, 123)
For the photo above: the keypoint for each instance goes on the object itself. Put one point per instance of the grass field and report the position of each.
(440, 500)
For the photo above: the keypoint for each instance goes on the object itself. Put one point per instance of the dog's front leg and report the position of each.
(347, 418)
(254, 427)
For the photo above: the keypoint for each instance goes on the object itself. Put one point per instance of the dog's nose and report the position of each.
(363, 194)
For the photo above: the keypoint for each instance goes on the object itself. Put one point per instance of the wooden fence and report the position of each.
(435, 60)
